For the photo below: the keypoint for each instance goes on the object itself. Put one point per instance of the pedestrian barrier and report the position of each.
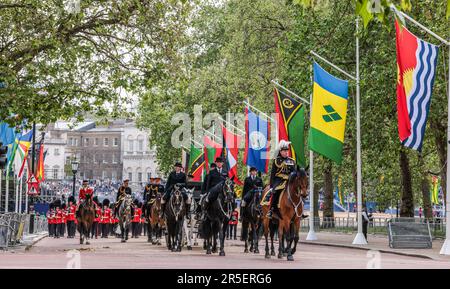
(377, 225)
(14, 226)
(409, 234)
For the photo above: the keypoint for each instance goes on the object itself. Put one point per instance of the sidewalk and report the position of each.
(375, 242)
(30, 240)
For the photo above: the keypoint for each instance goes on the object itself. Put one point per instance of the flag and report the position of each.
(40, 175)
(230, 152)
(257, 141)
(416, 67)
(23, 148)
(196, 163)
(7, 133)
(329, 112)
(212, 150)
(291, 124)
(11, 155)
(435, 190)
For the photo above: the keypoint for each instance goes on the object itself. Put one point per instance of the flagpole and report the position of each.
(445, 250)
(287, 90)
(232, 125)
(359, 238)
(259, 111)
(7, 191)
(1, 183)
(311, 234)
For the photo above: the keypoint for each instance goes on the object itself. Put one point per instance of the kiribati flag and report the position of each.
(416, 63)
(257, 141)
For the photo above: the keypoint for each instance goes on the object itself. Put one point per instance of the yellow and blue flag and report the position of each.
(328, 116)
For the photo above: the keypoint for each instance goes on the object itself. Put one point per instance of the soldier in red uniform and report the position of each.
(98, 214)
(106, 218)
(232, 225)
(62, 231)
(50, 220)
(71, 217)
(85, 192)
(58, 218)
(136, 220)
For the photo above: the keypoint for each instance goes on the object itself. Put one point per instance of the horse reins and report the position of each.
(300, 202)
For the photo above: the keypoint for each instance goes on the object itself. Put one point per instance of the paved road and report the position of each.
(137, 253)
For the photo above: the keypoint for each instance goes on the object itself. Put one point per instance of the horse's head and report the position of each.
(177, 199)
(298, 181)
(228, 190)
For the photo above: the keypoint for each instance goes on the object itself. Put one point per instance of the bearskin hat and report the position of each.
(106, 202)
(71, 199)
(136, 202)
(57, 203)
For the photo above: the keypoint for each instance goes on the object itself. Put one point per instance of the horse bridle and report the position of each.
(298, 194)
(226, 190)
(177, 193)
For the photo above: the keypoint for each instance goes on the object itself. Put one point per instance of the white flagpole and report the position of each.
(1, 183)
(312, 233)
(445, 250)
(16, 195)
(290, 92)
(20, 195)
(232, 125)
(7, 191)
(359, 238)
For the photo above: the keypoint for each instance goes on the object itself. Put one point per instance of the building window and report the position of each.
(86, 142)
(113, 175)
(130, 176)
(55, 172)
(105, 161)
(149, 175)
(140, 177)
(141, 145)
(56, 152)
(104, 175)
(93, 159)
(116, 141)
(114, 159)
(75, 142)
(130, 145)
(105, 142)
(70, 142)
(96, 141)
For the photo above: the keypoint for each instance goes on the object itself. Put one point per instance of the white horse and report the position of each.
(189, 225)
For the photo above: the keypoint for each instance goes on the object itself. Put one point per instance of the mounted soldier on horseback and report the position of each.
(85, 211)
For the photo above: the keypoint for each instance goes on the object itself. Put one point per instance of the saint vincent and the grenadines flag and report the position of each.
(416, 63)
(329, 112)
(291, 124)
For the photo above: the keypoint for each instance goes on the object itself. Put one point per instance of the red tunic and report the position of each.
(106, 217)
(98, 212)
(71, 213)
(137, 215)
(84, 192)
(234, 218)
(50, 217)
(59, 214)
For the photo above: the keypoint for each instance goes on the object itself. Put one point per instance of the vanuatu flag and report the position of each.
(196, 163)
(329, 112)
(291, 124)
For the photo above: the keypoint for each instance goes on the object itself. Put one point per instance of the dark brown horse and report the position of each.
(291, 209)
(155, 222)
(85, 218)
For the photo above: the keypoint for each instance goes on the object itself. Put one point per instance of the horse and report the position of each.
(291, 209)
(217, 215)
(251, 219)
(174, 217)
(269, 226)
(188, 226)
(155, 222)
(85, 219)
(125, 217)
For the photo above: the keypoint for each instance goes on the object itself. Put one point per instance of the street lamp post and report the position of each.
(74, 171)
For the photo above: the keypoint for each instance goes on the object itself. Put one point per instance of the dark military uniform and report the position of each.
(120, 197)
(215, 177)
(281, 169)
(174, 178)
(250, 184)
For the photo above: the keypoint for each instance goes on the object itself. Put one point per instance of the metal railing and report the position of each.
(14, 227)
(377, 225)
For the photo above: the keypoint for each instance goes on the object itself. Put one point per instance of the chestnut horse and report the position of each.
(85, 219)
(291, 210)
(155, 223)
